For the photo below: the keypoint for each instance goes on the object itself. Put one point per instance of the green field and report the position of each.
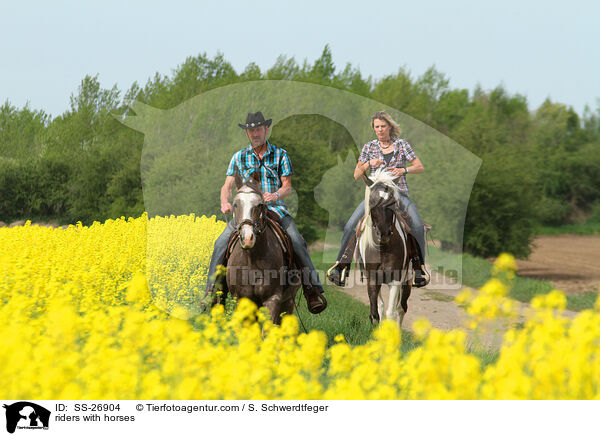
(591, 227)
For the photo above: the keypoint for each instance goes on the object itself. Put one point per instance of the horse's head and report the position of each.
(249, 211)
(381, 195)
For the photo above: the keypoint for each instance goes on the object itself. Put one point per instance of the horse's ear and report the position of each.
(368, 181)
(238, 181)
(256, 177)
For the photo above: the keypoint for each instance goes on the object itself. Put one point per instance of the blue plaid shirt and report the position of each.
(274, 165)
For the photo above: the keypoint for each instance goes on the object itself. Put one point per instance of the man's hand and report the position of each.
(375, 162)
(270, 196)
(226, 207)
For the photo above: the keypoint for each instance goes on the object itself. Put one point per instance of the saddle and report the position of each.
(273, 222)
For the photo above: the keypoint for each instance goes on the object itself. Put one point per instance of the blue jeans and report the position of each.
(416, 225)
(298, 243)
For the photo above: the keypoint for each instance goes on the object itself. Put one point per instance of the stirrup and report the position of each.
(424, 279)
(315, 301)
(336, 276)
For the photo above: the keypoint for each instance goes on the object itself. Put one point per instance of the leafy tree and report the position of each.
(541, 166)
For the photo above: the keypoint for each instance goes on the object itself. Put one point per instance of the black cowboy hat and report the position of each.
(255, 120)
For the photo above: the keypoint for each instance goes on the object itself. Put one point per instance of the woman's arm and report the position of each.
(415, 168)
(362, 167)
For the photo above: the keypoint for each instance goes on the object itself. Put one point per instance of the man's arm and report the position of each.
(226, 194)
(286, 187)
(284, 191)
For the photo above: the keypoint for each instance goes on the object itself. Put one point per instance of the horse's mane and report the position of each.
(381, 177)
(250, 186)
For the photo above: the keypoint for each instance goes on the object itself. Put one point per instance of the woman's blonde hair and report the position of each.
(394, 128)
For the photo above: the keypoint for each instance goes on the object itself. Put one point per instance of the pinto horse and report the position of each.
(257, 267)
(384, 250)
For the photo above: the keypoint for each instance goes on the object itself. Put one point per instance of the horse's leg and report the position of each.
(273, 303)
(406, 288)
(393, 303)
(380, 305)
(287, 306)
(373, 290)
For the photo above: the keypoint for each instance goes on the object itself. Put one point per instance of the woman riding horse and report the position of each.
(384, 249)
(393, 153)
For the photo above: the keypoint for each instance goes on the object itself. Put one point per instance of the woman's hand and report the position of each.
(375, 162)
(396, 172)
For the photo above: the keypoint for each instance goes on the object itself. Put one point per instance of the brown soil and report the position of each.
(570, 262)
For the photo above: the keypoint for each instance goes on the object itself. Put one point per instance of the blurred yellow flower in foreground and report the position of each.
(122, 320)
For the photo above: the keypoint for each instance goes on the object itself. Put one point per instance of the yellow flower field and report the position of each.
(112, 311)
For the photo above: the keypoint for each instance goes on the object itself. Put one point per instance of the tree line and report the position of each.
(539, 166)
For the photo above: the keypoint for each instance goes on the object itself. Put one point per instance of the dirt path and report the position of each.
(571, 262)
(437, 305)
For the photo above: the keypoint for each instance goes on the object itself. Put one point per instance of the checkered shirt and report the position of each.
(274, 165)
(403, 153)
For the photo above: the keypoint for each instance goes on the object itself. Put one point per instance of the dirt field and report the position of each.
(571, 262)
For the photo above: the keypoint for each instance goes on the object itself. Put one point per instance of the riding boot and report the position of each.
(421, 276)
(338, 273)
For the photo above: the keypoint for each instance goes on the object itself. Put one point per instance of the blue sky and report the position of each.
(538, 49)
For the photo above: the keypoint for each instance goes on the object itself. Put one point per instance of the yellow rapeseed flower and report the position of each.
(123, 319)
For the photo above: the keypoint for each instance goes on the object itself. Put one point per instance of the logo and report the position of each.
(188, 148)
(26, 415)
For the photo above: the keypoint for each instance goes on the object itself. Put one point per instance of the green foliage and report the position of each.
(338, 192)
(312, 143)
(500, 211)
(539, 168)
(20, 130)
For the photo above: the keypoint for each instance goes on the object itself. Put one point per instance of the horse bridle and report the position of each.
(260, 225)
(388, 204)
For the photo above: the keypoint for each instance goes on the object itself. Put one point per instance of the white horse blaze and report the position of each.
(247, 202)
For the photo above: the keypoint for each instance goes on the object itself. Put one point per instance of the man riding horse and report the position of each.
(275, 176)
